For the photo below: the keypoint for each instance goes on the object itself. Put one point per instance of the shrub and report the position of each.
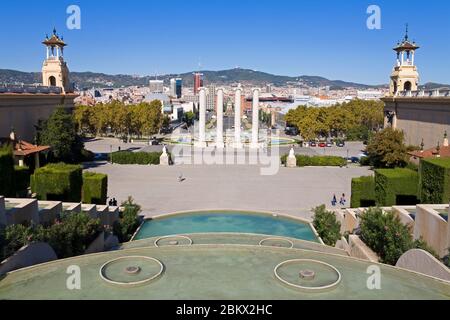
(13, 238)
(72, 235)
(7, 172)
(129, 221)
(396, 187)
(21, 179)
(69, 237)
(388, 237)
(60, 182)
(317, 161)
(363, 192)
(95, 188)
(385, 235)
(142, 158)
(327, 226)
(434, 185)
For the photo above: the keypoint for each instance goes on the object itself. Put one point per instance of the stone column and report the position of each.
(255, 120)
(202, 119)
(219, 114)
(237, 119)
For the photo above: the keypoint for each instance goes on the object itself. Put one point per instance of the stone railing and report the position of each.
(8, 88)
(438, 93)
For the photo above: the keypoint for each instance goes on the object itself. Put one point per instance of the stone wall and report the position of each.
(27, 256)
(358, 249)
(423, 262)
(432, 228)
(421, 118)
(23, 111)
(26, 210)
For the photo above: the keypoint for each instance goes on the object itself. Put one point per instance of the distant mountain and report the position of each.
(224, 77)
(432, 86)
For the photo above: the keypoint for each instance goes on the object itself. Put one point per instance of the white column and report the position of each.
(255, 120)
(219, 138)
(202, 119)
(48, 53)
(237, 119)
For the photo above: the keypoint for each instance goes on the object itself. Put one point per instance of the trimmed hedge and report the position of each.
(7, 172)
(363, 192)
(143, 158)
(95, 188)
(317, 161)
(396, 187)
(434, 185)
(21, 179)
(60, 182)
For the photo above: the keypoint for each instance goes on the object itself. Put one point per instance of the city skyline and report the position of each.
(171, 43)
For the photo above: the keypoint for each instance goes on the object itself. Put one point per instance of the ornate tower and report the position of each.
(54, 71)
(405, 76)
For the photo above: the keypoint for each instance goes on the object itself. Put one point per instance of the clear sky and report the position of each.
(288, 37)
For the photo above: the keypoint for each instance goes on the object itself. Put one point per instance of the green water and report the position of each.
(236, 222)
(217, 272)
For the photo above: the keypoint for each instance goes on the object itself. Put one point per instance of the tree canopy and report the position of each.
(353, 120)
(60, 133)
(386, 149)
(143, 119)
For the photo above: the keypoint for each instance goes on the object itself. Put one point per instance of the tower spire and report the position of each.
(407, 32)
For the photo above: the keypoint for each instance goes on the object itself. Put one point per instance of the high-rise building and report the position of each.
(211, 98)
(178, 87)
(198, 82)
(156, 86)
(173, 87)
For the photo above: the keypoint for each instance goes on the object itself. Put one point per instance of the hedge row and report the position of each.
(435, 180)
(142, 158)
(6, 172)
(59, 182)
(396, 187)
(21, 180)
(95, 188)
(317, 161)
(363, 192)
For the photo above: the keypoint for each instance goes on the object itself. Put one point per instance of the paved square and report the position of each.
(292, 191)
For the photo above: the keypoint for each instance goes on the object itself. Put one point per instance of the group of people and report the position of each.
(112, 202)
(342, 201)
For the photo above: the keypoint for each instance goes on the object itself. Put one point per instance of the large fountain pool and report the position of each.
(227, 221)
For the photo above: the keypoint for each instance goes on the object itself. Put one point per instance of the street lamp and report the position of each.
(348, 151)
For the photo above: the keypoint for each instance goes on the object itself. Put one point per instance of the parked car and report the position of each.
(291, 131)
(154, 142)
(312, 144)
(329, 144)
(322, 145)
(340, 144)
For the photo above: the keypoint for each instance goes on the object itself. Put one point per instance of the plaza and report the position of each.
(292, 191)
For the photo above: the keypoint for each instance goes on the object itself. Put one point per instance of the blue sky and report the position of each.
(322, 37)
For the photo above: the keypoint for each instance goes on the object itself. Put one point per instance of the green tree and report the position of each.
(327, 226)
(189, 118)
(386, 149)
(128, 222)
(60, 133)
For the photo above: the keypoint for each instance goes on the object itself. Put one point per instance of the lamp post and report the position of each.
(348, 151)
